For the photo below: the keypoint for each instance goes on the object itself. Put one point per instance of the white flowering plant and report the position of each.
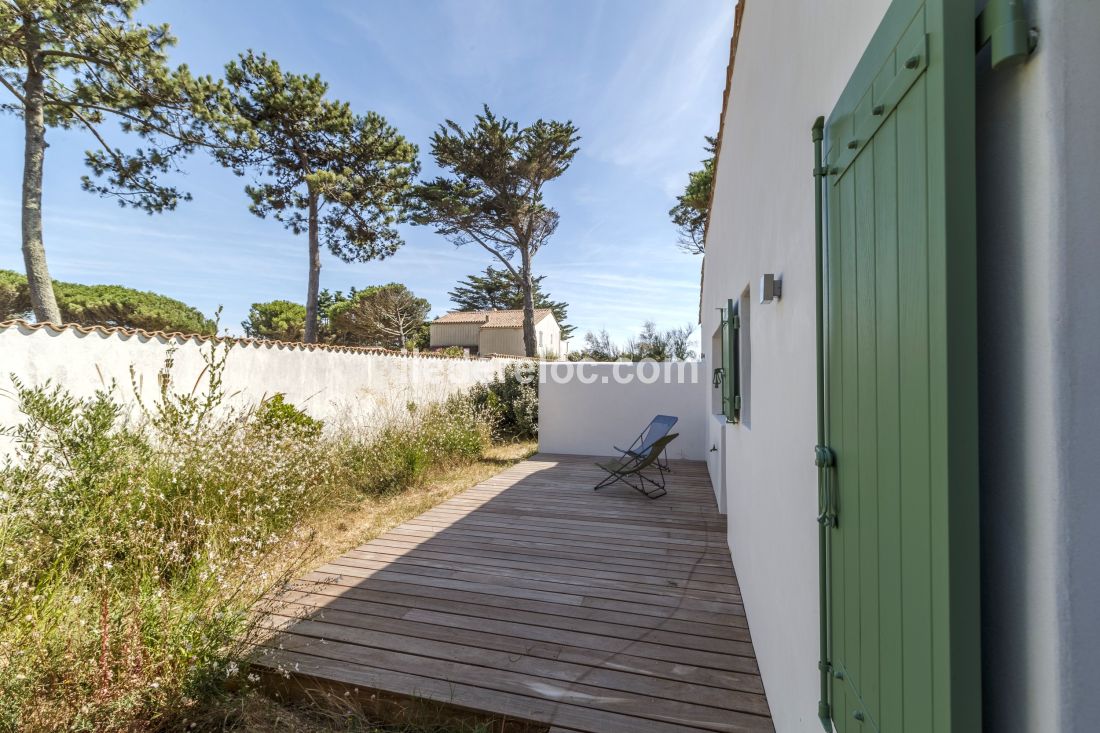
(135, 547)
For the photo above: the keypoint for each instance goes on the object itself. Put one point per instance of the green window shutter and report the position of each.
(735, 362)
(726, 402)
(731, 363)
(901, 559)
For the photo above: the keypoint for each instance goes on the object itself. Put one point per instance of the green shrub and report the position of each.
(454, 352)
(512, 401)
(275, 413)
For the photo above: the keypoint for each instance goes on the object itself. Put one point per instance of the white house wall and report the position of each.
(793, 60)
(454, 334)
(1039, 260)
(551, 336)
(501, 341)
(510, 340)
(1039, 228)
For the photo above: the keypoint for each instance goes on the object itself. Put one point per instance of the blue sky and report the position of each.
(642, 79)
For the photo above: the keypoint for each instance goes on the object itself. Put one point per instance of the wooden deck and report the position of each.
(532, 597)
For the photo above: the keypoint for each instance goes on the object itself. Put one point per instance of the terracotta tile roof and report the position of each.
(493, 319)
(463, 317)
(177, 337)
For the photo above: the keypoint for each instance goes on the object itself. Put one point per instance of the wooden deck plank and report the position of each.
(544, 578)
(337, 627)
(373, 588)
(557, 555)
(638, 657)
(578, 569)
(531, 596)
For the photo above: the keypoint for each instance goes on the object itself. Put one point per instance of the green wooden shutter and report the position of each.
(726, 409)
(734, 321)
(731, 362)
(901, 380)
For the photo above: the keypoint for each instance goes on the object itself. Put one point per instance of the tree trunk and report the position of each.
(313, 292)
(530, 343)
(39, 284)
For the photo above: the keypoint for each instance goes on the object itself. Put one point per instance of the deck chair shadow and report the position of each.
(629, 469)
(658, 428)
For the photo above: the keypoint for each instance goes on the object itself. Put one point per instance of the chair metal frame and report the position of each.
(632, 465)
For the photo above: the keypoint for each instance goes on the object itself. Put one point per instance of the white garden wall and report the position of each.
(587, 408)
(328, 383)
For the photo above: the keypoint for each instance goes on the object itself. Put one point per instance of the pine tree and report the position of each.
(317, 167)
(494, 195)
(498, 289)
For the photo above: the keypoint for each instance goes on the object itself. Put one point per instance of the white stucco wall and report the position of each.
(1039, 260)
(328, 384)
(793, 60)
(1039, 252)
(587, 408)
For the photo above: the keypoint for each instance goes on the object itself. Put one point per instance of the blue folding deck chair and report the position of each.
(658, 428)
(631, 468)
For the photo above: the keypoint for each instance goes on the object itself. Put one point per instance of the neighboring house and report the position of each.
(960, 219)
(495, 332)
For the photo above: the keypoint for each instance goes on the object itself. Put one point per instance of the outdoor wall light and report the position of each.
(771, 288)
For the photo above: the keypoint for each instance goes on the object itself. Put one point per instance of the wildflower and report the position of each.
(231, 669)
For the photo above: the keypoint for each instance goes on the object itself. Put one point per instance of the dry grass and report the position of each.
(348, 527)
(336, 532)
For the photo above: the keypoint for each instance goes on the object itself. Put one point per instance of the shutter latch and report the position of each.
(825, 459)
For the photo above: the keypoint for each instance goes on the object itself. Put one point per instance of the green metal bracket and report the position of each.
(1003, 25)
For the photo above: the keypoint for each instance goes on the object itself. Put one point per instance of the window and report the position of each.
(540, 338)
(731, 362)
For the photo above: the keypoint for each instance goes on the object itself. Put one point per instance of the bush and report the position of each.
(398, 455)
(512, 401)
(133, 547)
(276, 414)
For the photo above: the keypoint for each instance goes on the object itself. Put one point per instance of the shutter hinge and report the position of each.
(736, 321)
(737, 402)
(1003, 25)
